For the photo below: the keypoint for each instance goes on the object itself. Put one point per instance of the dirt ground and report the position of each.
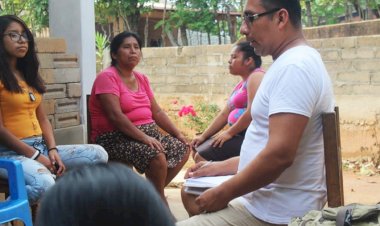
(361, 189)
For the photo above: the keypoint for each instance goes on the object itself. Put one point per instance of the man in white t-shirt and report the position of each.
(280, 172)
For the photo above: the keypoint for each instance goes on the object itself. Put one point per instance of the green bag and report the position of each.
(349, 215)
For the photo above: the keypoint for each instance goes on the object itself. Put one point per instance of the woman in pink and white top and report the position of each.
(125, 117)
(226, 143)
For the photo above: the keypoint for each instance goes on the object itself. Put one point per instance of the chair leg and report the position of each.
(34, 209)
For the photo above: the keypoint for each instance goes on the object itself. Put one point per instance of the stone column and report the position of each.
(74, 20)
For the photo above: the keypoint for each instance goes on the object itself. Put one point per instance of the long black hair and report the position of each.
(28, 65)
(248, 51)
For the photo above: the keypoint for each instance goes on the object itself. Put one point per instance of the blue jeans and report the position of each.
(37, 177)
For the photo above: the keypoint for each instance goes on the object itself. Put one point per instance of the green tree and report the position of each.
(203, 16)
(34, 12)
(128, 11)
(320, 12)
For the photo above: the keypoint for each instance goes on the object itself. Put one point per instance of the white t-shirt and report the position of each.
(297, 82)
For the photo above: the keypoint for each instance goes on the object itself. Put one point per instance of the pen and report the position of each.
(206, 164)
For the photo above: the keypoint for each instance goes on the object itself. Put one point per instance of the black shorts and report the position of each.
(230, 148)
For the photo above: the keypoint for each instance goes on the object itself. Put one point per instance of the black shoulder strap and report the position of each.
(344, 216)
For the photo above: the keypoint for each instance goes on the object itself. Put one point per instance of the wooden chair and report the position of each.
(333, 159)
(88, 119)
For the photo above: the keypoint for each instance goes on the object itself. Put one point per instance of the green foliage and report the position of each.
(324, 11)
(33, 12)
(129, 11)
(329, 11)
(205, 114)
(197, 15)
(101, 43)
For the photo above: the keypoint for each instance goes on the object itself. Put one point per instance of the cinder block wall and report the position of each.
(358, 28)
(61, 74)
(187, 73)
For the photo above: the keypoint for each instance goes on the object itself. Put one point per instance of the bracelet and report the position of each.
(35, 155)
(51, 149)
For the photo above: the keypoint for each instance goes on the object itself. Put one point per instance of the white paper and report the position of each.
(200, 184)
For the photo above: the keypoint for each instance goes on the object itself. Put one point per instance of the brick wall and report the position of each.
(61, 74)
(186, 73)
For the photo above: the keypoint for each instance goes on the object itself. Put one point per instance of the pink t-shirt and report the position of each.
(238, 100)
(135, 105)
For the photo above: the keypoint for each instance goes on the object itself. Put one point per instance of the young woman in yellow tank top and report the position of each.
(25, 131)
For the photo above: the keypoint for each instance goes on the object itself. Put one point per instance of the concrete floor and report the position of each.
(175, 203)
(174, 198)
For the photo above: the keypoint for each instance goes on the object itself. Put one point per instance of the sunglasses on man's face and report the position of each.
(249, 18)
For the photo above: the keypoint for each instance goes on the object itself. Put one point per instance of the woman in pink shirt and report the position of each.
(215, 144)
(125, 117)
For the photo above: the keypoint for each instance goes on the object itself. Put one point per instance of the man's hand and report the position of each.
(213, 199)
(201, 169)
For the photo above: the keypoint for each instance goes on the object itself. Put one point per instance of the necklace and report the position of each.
(32, 98)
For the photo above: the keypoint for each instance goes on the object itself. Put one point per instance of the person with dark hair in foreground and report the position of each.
(280, 171)
(103, 194)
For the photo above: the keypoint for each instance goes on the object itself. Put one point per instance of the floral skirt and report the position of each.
(128, 150)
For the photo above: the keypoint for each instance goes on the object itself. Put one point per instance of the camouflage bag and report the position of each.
(349, 215)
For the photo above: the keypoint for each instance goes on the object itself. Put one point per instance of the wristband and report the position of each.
(35, 155)
(51, 149)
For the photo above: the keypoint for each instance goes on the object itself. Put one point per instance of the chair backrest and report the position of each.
(16, 180)
(16, 207)
(88, 119)
(333, 158)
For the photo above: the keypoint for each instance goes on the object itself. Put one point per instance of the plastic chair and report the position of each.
(16, 207)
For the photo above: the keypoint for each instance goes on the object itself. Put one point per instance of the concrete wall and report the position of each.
(61, 73)
(78, 29)
(188, 73)
(359, 28)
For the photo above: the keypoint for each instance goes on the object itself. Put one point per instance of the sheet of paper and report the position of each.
(206, 182)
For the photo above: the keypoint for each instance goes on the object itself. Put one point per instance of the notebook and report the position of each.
(198, 185)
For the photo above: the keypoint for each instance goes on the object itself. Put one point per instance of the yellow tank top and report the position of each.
(18, 111)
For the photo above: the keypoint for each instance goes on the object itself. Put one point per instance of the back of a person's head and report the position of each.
(248, 51)
(292, 6)
(102, 194)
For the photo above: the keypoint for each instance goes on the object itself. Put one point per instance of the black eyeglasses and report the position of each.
(16, 37)
(249, 18)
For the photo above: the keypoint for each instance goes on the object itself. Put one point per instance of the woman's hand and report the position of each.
(219, 140)
(198, 140)
(182, 138)
(153, 143)
(59, 167)
(46, 162)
